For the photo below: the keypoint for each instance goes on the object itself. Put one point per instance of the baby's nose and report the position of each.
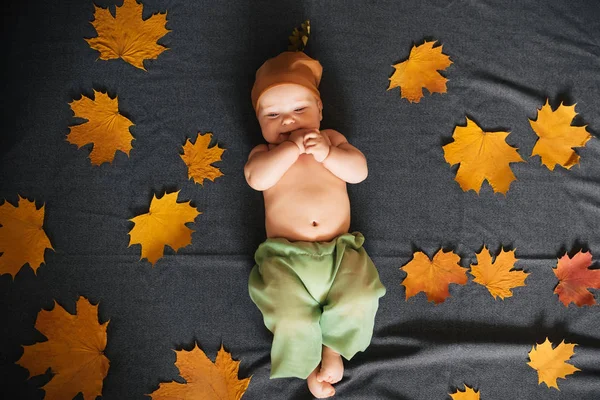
(288, 119)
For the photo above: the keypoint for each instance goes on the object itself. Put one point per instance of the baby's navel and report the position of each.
(314, 223)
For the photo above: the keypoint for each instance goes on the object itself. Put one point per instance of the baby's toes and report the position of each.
(329, 375)
(324, 392)
(321, 390)
(322, 376)
(336, 376)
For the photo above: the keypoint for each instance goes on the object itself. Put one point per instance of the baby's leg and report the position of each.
(332, 366)
(349, 313)
(292, 314)
(318, 388)
(330, 371)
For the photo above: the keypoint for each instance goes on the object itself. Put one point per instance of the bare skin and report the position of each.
(320, 381)
(303, 172)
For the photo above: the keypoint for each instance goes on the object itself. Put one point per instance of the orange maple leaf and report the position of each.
(126, 35)
(497, 276)
(420, 71)
(551, 364)
(204, 380)
(482, 156)
(22, 237)
(433, 277)
(105, 127)
(574, 277)
(74, 351)
(198, 158)
(557, 137)
(468, 394)
(163, 225)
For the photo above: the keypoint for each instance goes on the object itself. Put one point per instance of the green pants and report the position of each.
(313, 294)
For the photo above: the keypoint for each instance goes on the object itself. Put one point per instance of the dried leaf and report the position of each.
(468, 394)
(198, 158)
(557, 137)
(126, 35)
(574, 277)
(482, 156)
(163, 225)
(74, 352)
(420, 71)
(551, 364)
(497, 276)
(22, 237)
(299, 37)
(204, 380)
(105, 127)
(433, 277)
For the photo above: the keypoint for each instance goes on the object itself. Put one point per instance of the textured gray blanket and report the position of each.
(508, 58)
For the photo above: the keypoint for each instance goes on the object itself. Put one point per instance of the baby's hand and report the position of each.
(297, 137)
(317, 144)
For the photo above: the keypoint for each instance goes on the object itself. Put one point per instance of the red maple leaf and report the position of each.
(574, 279)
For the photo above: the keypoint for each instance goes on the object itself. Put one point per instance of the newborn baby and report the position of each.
(315, 285)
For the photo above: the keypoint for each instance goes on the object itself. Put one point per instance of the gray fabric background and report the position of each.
(509, 56)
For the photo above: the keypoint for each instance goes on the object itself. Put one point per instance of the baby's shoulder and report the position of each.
(334, 136)
(258, 149)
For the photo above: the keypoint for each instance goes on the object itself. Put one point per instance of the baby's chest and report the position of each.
(306, 166)
(309, 176)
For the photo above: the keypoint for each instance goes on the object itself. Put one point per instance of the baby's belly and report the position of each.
(313, 208)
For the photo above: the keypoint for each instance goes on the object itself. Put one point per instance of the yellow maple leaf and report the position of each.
(550, 363)
(557, 137)
(433, 276)
(420, 71)
(22, 237)
(198, 158)
(204, 380)
(74, 352)
(468, 394)
(105, 127)
(163, 225)
(126, 35)
(482, 156)
(497, 276)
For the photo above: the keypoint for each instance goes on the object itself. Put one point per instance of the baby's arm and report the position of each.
(266, 167)
(344, 160)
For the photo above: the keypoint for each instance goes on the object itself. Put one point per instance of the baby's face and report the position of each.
(286, 108)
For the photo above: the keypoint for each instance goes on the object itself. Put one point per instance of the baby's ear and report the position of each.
(320, 105)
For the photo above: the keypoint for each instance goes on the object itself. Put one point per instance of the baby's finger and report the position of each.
(311, 135)
(310, 142)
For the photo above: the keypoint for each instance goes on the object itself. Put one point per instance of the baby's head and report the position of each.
(285, 95)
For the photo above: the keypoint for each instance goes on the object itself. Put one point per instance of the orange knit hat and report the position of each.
(288, 67)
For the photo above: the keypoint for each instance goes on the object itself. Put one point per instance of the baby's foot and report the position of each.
(332, 367)
(319, 389)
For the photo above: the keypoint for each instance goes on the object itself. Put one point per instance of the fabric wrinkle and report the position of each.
(313, 294)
